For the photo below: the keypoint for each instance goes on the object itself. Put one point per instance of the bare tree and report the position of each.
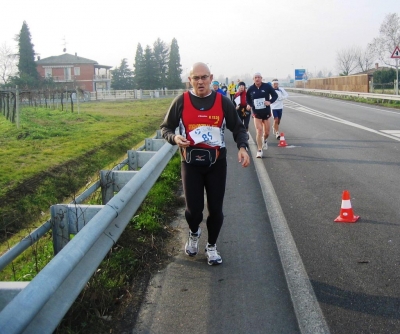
(365, 58)
(389, 38)
(324, 73)
(346, 60)
(8, 63)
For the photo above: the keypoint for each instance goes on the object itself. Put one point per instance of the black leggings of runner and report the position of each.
(197, 178)
(246, 121)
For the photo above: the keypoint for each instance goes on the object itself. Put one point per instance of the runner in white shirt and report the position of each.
(277, 107)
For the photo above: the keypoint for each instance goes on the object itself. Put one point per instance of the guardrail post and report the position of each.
(70, 219)
(132, 160)
(9, 290)
(153, 144)
(59, 219)
(107, 189)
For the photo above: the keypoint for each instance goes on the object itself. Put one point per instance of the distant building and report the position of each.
(371, 71)
(75, 71)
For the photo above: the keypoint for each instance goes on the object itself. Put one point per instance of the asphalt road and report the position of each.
(279, 222)
(336, 145)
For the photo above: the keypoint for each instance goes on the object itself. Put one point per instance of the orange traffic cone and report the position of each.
(282, 141)
(346, 212)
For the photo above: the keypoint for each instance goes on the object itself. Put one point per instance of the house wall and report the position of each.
(84, 80)
(350, 83)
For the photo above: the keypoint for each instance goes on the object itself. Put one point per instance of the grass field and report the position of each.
(54, 153)
(50, 158)
(48, 137)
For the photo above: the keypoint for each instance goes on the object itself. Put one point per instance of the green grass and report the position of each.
(48, 137)
(54, 153)
(53, 156)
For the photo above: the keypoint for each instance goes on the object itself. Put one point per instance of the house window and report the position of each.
(67, 73)
(77, 71)
(48, 73)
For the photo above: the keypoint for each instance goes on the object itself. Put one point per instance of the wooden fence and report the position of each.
(350, 83)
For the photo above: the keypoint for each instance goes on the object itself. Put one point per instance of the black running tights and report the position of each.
(213, 179)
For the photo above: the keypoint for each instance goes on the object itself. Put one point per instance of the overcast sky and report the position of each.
(234, 37)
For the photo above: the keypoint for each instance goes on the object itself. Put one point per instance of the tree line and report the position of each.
(157, 67)
(154, 68)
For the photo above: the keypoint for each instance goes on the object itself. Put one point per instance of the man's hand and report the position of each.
(181, 141)
(243, 156)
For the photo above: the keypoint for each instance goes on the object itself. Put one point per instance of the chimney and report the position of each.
(376, 65)
(38, 57)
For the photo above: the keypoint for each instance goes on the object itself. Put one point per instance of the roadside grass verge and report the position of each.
(54, 153)
(111, 300)
(57, 173)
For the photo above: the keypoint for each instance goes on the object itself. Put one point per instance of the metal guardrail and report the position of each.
(375, 96)
(41, 304)
(34, 236)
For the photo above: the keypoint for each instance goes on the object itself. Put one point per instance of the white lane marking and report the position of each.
(308, 311)
(313, 112)
(355, 104)
(392, 132)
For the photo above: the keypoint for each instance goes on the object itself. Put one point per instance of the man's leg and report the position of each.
(258, 124)
(215, 187)
(215, 184)
(267, 126)
(193, 187)
(276, 124)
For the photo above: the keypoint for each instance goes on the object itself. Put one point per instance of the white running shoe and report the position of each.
(213, 256)
(278, 136)
(192, 244)
(259, 154)
(265, 145)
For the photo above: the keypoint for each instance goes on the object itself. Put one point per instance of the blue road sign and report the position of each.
(299, 74)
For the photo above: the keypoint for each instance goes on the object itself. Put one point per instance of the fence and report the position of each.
(8, 104)
(133, 94)
(11, 99)
(384, 88)
(38, 306)
(349, 83)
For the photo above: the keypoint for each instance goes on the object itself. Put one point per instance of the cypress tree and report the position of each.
(122, 77)
(150, 69)
(161, 56)
(174, 80)
(28, 73)
(139, 71)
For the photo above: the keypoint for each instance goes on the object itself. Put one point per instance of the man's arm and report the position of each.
(249, 99)
(285, 95)
(171, 120)
(273, 94)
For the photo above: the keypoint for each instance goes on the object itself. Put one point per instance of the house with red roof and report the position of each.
(75, 71)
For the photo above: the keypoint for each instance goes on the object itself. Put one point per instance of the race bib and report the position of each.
(259, 103)
(210, 135)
